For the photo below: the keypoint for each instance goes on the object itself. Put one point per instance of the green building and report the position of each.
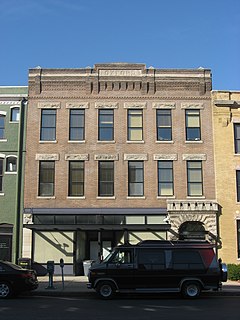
(13, 104)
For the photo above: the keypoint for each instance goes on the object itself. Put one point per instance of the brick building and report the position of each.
(226, 119)
(115, 153)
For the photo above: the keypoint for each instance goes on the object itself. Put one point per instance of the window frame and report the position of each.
(238, 184)
(3, 127)
(131, 114)
(103, 183)
(161, 113)
(1, 174)
(103, 128)
(80, 128)
(192, 183)
(7, 163)
(236, 139)
(80, 183)
(42, 128)
(14, 108)
(52, 181)
(188, 128)
(135, 182)
(170, 182)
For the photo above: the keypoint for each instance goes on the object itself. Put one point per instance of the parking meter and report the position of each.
(50, 269)
(62, 266)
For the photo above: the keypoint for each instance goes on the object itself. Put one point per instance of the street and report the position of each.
(139, 308)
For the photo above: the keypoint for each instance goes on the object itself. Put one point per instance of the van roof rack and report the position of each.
(173, 242)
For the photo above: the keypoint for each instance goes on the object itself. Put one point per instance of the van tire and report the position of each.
(191, 289)
(106, 289)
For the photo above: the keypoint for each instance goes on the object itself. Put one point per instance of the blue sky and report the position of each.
(159, 33)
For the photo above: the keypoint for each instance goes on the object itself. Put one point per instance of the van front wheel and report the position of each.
(105, 289)
(191, 289)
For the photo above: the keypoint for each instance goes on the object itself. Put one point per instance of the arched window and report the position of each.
(192, 230)
(11, 164)
(15, 112)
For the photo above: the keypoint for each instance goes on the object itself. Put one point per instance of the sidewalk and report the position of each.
(77, 286)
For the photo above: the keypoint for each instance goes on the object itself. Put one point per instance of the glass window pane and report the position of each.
(15, 114)
(195, 189)
(193, 121)
(135, 135)
(11, 164)
(165, 189)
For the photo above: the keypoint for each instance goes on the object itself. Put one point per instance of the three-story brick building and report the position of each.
(117, 153)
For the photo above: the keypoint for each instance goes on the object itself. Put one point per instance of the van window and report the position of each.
(186, 260)
(123, 256)
(153, 259)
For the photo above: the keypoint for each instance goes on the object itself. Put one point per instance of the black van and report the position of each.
(158, 266)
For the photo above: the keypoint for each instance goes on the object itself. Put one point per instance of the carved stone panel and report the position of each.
(192, 105)
(198, 157)
(47, 157)
(106, 105)
(165, 157)
(132, 157)
(164, 105)
(77, 157)
(106, 157)
(135, 105)
(77, 105)
(49, 105)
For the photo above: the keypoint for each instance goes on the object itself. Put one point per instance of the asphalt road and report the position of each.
(140, 308)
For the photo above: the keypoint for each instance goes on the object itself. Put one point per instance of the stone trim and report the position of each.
(3, 113)
(49, 157)
(17, 103)
(157, 157)
(77, 105)
(200, 157)
(106, 157)
(140, 157)
(77, 157)
(49, 105)
(3, 156)
(135, 105)
(106, 105)
(189, 105)
(164, 105)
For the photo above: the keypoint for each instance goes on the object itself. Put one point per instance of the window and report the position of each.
(193, 125)
(135, 125)
(11, 164)
(237, 137)
(151, 259)
(15, 113)
(238, 185)
(164, 125)
(76, 178)
(2, 126)
(184, 260)
(48, 125)
(123, 256)
(194, 176)
(1, 175)
(76, 125)
(135, 178)
(106, 178)
(46, 178)
(165, 178)
(105, 125)
(238, 238)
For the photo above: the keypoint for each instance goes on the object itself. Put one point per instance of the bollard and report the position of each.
(62, 266)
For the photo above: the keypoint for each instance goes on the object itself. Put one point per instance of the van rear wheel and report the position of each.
(106, 290)
(191, 289)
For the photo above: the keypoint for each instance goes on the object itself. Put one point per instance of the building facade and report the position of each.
(226, 118)
(12, 152)
(117, 153)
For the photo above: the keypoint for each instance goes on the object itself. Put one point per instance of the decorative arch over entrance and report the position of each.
(192, 230)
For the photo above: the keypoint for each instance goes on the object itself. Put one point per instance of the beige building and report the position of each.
(117, 153)
(226, 116)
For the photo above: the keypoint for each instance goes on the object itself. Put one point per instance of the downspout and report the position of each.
(20, 190)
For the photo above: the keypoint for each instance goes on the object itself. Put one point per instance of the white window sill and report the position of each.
(76, 198)
(166, 197)
(2, 194)
(137, 197)
(106, 198)
(193, 141)
(3, 140)
(76, 141)
(9, 172)
(103, 141)
(47, 141)
(140, 141)
(196, 197)
(165, 141)
(46, 197)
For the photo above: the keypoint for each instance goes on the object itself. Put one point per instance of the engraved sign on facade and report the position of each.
(135, 105)
(129, 157)
(120, 73)
(172, 157)
(106, 157)
(50, 157)
(78, 157)
(164, 105)
(106, 105)
(198, 157)
(49, 105)
(77, 105)
(189, 105)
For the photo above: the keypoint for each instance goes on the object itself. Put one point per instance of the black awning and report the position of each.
(96, 211)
